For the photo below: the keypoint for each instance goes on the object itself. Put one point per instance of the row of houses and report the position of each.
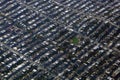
(59, 40)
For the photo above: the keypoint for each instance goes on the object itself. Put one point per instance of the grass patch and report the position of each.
(75, 40)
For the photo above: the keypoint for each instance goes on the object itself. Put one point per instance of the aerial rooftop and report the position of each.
(59, 39)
